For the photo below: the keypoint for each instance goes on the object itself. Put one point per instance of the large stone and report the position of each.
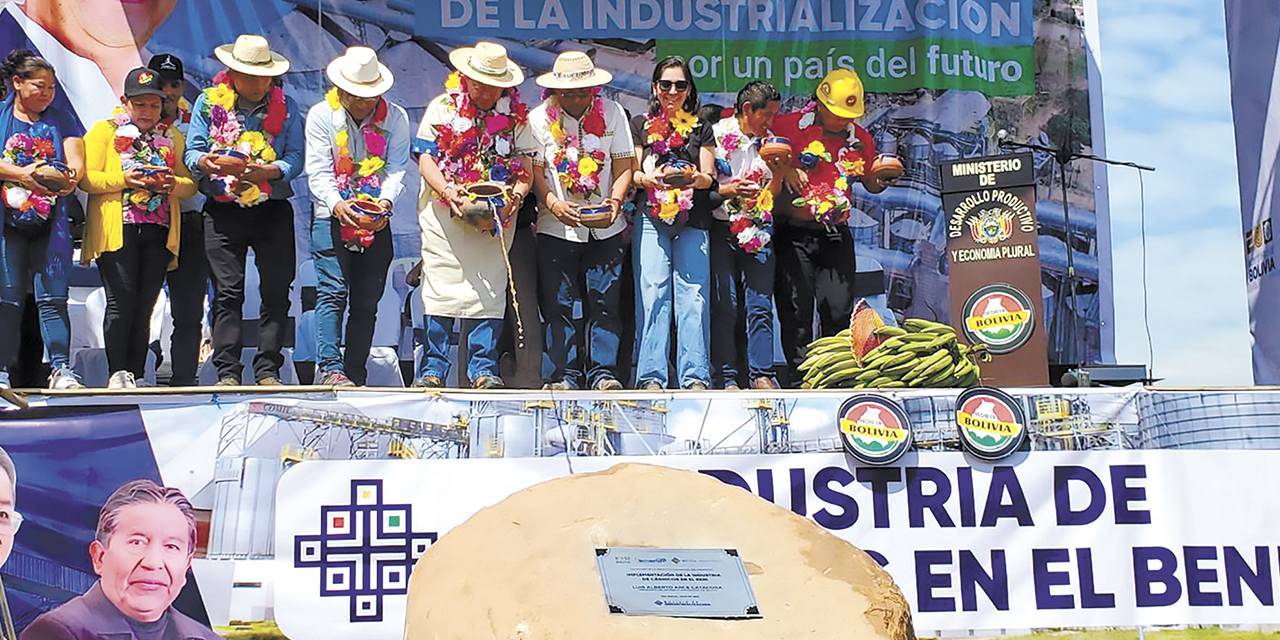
(525, 568)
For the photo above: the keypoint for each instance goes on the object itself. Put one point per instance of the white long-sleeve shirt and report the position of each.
(322, 152)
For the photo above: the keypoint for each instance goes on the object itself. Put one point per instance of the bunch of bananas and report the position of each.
(921, 353)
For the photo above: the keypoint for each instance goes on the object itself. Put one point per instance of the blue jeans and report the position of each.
(586, 274)
(482, 346)
(343, 276)
(673, 274)
(732, 267)
(25, 257)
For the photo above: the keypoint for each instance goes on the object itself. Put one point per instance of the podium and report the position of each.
(993, 258)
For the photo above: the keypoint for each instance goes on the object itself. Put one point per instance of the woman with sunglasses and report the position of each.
(676, 155)
(35, 245)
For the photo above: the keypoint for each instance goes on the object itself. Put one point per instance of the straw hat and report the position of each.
(487, 62)
(250, 54)
(359, 73)
(574, 70)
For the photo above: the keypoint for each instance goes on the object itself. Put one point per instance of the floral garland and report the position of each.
(829, 202)
(579, 160)
(664, 135)
(24, 149)
(225, 132)
(475, 146)
(750, 219)
(363, 182)
(139, 150)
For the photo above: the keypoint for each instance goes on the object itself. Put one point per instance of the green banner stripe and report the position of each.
(796, 67)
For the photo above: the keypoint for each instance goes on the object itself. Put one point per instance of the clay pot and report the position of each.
(886, 167)
(775, 150)
(678, 174)
(596, 217)
(53, 175)
(370, 215)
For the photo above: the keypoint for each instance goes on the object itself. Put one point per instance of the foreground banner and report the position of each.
(1253, 39)
(1118, 538)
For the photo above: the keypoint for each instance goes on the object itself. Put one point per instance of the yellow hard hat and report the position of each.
(841, 92)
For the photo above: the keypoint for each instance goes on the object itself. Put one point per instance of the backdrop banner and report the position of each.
(942, 77)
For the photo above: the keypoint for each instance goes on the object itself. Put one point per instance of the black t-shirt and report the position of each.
(701, 136)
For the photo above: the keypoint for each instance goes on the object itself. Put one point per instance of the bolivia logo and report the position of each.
(992, 226)
(874, 429)
(999, 316)
(990, 422)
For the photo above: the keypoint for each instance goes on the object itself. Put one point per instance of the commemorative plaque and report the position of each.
(681, 583)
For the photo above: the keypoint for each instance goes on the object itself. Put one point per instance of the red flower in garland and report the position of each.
(44, 148)
(122, 144)
(593, 123)
(276, 112)
(739, 225)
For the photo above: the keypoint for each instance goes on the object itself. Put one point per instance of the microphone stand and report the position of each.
(1065, 156)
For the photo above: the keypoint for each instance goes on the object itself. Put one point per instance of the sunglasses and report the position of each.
(680, 85)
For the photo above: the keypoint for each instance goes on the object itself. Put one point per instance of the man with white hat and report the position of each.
(246, 144)
(357, 154)
(583, 162)
(473, 134)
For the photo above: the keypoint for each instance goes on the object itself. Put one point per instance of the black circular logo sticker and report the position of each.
(874, 429)
(991, 423)
(1000, 316)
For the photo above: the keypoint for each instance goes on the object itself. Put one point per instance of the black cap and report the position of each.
(167, 65)
(142, 82)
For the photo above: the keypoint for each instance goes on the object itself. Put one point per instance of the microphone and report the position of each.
(1002, 137)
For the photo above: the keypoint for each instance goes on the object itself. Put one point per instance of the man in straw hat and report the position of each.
(246, 144)
(473, 134)
(583, 162)
(357, 153)
(812, 243)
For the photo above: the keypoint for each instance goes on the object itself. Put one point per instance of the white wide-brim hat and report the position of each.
(487, 62)
(574, 70)
(359, 73)
(252, 55)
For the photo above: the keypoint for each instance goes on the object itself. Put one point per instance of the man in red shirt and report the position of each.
(814, 249)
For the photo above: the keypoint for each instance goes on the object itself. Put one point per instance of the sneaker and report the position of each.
(695, 386)
(335, 379)
(485, 381)
(732, 386)
(227, 381)
(427, 382)
(64, 378)
(764, 382)
(559, 385)
(121, 380)
(607, 384)
(652, 385)
(4, 380)
(271, 381)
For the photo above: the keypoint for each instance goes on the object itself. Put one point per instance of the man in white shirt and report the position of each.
(584, 161)
(357, 154)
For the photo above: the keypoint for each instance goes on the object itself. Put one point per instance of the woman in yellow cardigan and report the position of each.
(135, 179)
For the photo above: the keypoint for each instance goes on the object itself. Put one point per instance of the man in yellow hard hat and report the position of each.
(812, 243)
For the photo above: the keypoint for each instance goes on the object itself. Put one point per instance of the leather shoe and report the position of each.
(488, 382)
(764, 382)
(607, 384)
(427, 382)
